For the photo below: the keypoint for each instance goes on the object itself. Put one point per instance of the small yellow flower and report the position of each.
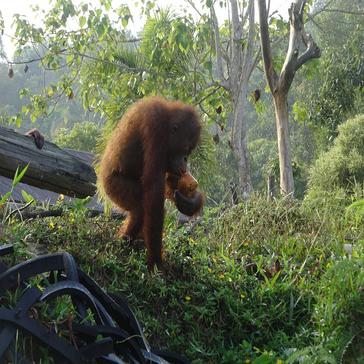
(242, 296)
(51, 225)
(187, 298)
(279, 361)
(209, 270)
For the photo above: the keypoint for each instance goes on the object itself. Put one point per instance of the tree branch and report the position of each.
(97, 59)
(236, 47)
(249, 49)
(297, 33)
(255, 63)
(195, 8)
(322, 9)
(245, 16)
(213, 91)
(270, 72)
(215, 24)
(312, 51)
(344, 11)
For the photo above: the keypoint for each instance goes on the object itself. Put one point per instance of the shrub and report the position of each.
(342, 166)
(339, 312)
(83, 136)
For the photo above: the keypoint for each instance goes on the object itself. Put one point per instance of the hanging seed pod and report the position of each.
(26, 68)
(256, 95)
(71, 95)
(10, 72)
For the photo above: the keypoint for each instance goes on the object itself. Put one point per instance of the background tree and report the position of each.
(341, 168)
(236, 58)
(83, 136)
(338, 92)
(279, 85)
(100, 65)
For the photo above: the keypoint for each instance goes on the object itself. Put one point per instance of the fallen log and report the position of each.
(27, 215)
(50, 168)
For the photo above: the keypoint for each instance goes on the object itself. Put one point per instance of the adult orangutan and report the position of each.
(151, 143)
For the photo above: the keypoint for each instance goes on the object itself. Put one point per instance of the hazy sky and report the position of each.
(9, 8)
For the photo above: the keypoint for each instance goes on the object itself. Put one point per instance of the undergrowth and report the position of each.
(260, 282)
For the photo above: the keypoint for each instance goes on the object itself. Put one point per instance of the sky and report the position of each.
(23, 7)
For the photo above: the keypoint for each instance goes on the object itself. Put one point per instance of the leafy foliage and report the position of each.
(83, 136)
(59, 48)
(17, 178)
(342, 166)
(339, 308)
(342, 88)
(253, 283)
(264, 153)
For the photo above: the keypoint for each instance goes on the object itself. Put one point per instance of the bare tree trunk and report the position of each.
(241, 67)
(239, 61)
(280, 84)
(284, 150)
(234, 195)
(270, 187)
(240, 144)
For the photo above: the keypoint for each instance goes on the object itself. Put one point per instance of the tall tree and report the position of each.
(234, 68)
(279, 85)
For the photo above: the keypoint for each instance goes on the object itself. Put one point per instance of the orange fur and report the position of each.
(150, 140)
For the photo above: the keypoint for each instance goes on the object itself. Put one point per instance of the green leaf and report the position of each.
(23, 93)
(5, 197)
(299, 111)
(28, 198)
(82, 21)
(25, 109)
(100, 29)
(357, 207)
(208, 65)
(17, 177)
(18, 121)
(124, 21)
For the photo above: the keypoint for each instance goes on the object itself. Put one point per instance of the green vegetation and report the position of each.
(341, 168)
(259, 282)
(83, 136)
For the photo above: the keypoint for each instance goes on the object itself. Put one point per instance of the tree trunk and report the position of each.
(240, 145)
(284, 150)
(280, 85)
(270, 187)
(239, 63)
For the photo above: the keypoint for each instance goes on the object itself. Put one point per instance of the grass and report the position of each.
(262, 282)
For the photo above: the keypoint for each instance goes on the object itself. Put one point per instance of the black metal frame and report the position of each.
(122, 339)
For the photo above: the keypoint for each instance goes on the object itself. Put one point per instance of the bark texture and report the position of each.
(280, 84)
(51, 168)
